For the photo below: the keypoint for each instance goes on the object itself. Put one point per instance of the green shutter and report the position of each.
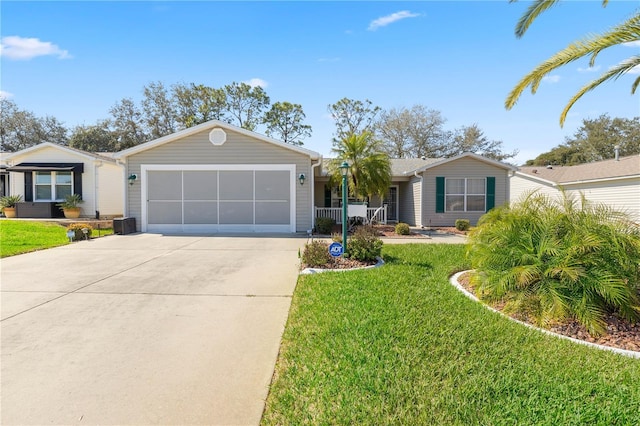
(327, 196)
(491, 192)
(440, 194)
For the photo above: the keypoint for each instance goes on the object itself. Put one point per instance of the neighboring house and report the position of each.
(430, 192)
(216, 177)
(613, 182)
(45, 173)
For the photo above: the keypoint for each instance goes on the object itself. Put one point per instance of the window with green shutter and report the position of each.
(440, 194)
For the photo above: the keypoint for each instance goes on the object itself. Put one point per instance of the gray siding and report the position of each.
(410, 208)
(461, 168)
(238, 149)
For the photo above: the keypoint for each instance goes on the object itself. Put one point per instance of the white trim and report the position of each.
(208, 126)
(291, 168)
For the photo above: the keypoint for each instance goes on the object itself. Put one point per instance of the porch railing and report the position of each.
(374, 214)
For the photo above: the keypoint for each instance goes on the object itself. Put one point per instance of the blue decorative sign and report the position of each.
(336, 249)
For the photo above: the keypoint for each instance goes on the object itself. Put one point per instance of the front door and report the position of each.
(391, 200)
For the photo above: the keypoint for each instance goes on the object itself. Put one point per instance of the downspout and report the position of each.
(96, 193)
(313, 193)
(125, 196)
(421, 194)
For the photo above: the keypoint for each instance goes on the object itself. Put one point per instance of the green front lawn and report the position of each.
(18, 237)
(400, 345)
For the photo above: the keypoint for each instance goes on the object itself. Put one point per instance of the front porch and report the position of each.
(374, 214)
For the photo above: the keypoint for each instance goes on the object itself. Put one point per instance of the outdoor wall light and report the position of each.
(132, 178)
(302, 178)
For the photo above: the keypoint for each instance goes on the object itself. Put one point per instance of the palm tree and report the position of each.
(626, 32)
(369, 165)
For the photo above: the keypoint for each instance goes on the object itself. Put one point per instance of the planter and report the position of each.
(72, 213)
(9, 212)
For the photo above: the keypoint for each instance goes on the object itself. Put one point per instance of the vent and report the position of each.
(217, 136)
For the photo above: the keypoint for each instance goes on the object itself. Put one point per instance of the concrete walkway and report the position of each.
(144, 329)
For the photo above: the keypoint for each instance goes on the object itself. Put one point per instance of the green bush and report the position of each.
(364, 244)
(316, 254)
(324, 225)
(77, 229)
(463, 224)
(559, 259)
(402, 229)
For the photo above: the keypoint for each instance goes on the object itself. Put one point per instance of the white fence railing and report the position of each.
(374, 214)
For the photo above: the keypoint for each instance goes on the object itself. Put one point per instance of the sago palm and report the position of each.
(559, 259)
(369, 165)
(626, 32)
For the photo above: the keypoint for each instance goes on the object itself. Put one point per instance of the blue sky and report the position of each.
(74, 60)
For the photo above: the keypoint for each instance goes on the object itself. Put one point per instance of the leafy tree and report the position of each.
(197, 104)
(595, 140)
(158, 110)
(369, 165)
(284, 121)
(95, 138)
(416, 132)
(128, 124)
(245, 104)
(626, 32)
(20, 129)
(353, 117)
(472, 139)
(558, 259)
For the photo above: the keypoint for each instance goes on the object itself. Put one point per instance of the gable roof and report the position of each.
(34, 148)
(208, 126)
(625, 167)
(442, 161)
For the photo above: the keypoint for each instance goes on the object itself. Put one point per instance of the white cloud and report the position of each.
(632, 43)
(634, 70)
(390, 19)
(334, 59)
(22, 48)
(257, 82)
(5, 95)
(589, 69)
(551, 79)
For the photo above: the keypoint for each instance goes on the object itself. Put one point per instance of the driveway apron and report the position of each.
(144, 329)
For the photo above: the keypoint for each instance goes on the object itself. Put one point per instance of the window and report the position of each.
(465, 195)
(53, 186)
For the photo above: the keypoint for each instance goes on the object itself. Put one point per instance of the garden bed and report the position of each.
(620, 334)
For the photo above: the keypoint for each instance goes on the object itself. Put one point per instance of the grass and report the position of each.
(400, 345)
(17, 237)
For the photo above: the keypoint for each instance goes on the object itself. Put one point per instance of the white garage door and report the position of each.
(238, 198)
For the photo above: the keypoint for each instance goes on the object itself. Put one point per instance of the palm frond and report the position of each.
(613, 73)
(627, 31)
(535, 9)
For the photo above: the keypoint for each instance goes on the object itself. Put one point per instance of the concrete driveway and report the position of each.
(144, 329)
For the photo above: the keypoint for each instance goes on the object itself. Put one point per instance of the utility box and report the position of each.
(124, 225)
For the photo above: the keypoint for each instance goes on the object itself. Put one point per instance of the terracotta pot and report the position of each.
(72, 213)
(9, 212)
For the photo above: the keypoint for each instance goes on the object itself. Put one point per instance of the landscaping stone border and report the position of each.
(308, 271)
(454, 281)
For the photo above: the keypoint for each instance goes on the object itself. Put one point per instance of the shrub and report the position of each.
(559, 259)
(463, 224)
(77, 229)
(402, 229)
(316, 254)
(364, 244)
(324, 225)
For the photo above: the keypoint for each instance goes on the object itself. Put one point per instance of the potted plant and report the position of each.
(70, 206)
(8, 204)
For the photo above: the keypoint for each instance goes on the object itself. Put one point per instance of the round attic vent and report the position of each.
(217, 136)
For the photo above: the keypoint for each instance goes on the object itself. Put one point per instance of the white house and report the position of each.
(45, 173)
(614, 182)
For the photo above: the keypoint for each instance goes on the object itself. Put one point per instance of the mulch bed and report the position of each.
(620, 333)
(343, 263)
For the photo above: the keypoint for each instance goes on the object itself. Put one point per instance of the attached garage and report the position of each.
(219, 198)
(216, 177)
